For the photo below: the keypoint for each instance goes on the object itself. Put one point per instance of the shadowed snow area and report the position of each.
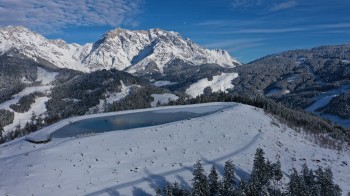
(137, 161)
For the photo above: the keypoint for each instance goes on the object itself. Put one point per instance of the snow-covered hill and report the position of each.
(137, 161)
(121, 49)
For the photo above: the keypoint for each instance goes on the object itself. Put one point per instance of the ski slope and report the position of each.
(136, 161)
(218, 83)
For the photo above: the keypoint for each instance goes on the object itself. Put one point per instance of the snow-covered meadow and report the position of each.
(136, 161)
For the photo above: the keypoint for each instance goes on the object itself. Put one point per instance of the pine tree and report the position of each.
(105, 106)
(33, 118)
(277, 176)
(199, 182)
(1, 130)
(176, 190)
(308, 176)
(229, 178)
(158, 192)
(39, 121)
(261, 174)
(325, 180)
(296, 185)
(213, 182)
(168, 190)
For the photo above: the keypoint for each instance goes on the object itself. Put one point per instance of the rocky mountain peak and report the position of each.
(130, 50)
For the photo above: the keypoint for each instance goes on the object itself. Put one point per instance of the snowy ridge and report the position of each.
(138, 160)
(121, 49)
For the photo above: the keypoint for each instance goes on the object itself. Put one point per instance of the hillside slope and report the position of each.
(136, 161)
(317, 80)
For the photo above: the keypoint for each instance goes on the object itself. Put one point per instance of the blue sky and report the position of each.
(248, 29)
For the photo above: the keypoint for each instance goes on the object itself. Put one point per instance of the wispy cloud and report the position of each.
(334, 26)
(235, 44)
(245, 3)
(265, 6)
(51, 16)
(271, 30)
(283, 6)
(261, 26)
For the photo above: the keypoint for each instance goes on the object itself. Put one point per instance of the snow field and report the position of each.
(137, 161)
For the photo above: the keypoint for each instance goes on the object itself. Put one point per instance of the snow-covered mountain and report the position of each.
(122, 49)
(15, 39)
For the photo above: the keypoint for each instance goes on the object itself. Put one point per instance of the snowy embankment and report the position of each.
(218, 83)
(136, 161)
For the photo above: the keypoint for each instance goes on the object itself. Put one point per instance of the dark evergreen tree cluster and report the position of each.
(25, 102)
(137, 99)
(203, 185)
(6, 117)
(83, 91)
(12, 72)
(312, 183)
(265, 179)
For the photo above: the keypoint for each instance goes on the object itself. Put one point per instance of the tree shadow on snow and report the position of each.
(158, 180)
(138, 191)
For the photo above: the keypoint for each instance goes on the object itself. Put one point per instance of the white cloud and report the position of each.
(283, 6)
(245, 3)
(279, 30)
(269, 6)
(239, 3)
(50, 16)
(235, 44)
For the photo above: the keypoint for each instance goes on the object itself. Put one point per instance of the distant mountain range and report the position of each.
(128, 69)
(131, 51)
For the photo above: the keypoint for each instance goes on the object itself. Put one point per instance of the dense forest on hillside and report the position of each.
(296, 77)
